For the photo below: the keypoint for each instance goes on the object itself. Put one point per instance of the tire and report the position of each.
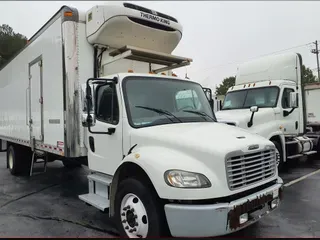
(70, 164)
(137, 209)
(279, 156)
(18, 160)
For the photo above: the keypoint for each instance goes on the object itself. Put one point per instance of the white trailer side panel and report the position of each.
(312, 97)
(43, 99)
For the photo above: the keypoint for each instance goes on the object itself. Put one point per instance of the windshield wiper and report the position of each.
(201, 114)
(160, 111)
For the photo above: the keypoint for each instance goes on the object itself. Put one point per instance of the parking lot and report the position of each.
(47, 205)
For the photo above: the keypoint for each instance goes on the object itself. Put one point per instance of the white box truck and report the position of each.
(96, 88)
(268, 99)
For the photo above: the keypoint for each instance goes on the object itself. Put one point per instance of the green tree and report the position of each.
(10, 43)
(307, 75)
(225, 85)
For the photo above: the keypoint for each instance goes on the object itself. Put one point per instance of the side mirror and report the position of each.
(254, 109)
(87, 96)
(293, 100)
(208, 93)
(88, 121)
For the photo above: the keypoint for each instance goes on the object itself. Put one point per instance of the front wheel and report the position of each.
(279, 156)
(137, 211)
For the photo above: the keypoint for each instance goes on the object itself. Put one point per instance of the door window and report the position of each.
(107, 108)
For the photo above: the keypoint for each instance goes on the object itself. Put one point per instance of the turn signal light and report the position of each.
(68, 14)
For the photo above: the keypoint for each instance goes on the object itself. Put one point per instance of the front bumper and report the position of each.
(221, 218)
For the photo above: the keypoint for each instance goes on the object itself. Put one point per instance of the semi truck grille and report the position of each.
(250, 168)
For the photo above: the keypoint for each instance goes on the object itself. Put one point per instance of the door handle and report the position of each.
(111, 131)
(91, 143)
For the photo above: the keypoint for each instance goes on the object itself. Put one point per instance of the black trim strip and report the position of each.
(228, 198)
(130, 150)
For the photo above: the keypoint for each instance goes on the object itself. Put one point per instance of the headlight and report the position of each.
(183, 179)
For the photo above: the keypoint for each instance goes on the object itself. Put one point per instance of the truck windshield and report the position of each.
(156, 101)
(261, 97)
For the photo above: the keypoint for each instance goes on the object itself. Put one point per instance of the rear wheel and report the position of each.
(18, 159)
(279, 156)
(70, 164)
(138, 213)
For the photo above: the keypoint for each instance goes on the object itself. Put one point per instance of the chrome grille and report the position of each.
(250, 168)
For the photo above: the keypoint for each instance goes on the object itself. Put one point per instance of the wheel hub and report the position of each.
(131, 218)
(134, 217)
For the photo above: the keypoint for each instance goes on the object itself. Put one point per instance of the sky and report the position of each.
(217, 35)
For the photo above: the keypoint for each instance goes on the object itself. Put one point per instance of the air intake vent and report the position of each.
(136, 7)
(250, 168)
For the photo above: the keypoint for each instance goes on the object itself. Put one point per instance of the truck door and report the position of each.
(105, 139)
(36, 99)
(290, 122)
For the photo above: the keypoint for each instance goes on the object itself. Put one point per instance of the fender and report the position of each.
(282, 142)
(154, 161)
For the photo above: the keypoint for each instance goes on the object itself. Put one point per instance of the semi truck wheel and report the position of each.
(137, 211)
(14, 160)
(70, 164)
(279, 156)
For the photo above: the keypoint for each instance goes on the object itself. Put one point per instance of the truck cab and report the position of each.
(153, 140)
(268, 99)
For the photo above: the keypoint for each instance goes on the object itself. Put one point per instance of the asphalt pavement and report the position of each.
(47, 205)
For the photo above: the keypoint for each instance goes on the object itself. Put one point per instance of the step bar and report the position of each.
(98, 195)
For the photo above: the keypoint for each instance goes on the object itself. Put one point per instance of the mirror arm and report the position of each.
(287, 113)
(250, 123)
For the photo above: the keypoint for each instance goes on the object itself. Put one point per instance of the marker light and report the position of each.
(130, 71)
(68, 14)
(163, 74)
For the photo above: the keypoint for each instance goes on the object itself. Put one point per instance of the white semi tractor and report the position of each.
(269, 99)
(93, 88)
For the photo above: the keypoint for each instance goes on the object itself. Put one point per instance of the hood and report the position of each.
(207, 143)
(240, 117)
(217, 138)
